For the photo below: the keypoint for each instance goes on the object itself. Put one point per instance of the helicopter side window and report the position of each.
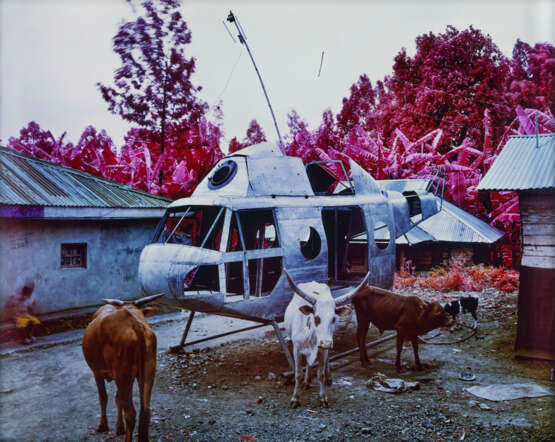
(259, 232)
(259, 229)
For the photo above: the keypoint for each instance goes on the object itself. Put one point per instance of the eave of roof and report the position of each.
(527, 162)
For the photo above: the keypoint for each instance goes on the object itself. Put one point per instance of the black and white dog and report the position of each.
(465, 304)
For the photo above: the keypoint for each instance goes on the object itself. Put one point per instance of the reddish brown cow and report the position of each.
(120, 346)
(408, 315)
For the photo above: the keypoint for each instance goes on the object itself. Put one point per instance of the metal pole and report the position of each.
(187, 327)
(221, 335)
(243, 40)
(288, 374)
(283, 345)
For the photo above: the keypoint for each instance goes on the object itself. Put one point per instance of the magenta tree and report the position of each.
(152, 87)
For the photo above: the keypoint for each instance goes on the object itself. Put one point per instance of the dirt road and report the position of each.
(236, 392)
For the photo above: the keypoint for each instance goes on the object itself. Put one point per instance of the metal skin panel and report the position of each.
(428, 204)
(238, 186)
(291, 172)
(401, 218)
(381, 263)
(363, 181)
(294, 225)
(163, 266)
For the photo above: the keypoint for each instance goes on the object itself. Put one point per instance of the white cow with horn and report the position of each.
(310, 320)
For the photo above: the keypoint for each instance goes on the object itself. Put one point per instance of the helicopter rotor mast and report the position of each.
(243, 40)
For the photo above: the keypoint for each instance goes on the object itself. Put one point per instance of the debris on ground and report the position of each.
(508, 392)
(380, 382)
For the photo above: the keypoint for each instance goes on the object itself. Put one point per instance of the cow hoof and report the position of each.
(120, 431)
(294, 403)
(102, 428)
(324, 403)
(364, 363)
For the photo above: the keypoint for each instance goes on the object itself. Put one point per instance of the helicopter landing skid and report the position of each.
(182, 343)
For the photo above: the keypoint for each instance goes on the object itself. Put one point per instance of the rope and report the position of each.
(228, 78)
(474, 331)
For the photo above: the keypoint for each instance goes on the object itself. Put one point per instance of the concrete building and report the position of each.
(526, 165)
(77, 236)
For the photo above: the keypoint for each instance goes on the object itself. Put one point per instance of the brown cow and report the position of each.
(119, 345)
(408, 315)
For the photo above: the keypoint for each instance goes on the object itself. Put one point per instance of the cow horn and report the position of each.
(142, 301)
(307, 297)
(115, 302)
(346, 298)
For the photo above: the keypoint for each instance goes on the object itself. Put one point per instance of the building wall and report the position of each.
(536, 300)
(32, 249)
(537, 220)
(427, 255)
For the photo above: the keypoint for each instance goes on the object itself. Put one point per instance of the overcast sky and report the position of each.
(54, 51)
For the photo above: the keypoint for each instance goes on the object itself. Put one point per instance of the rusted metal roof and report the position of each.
(28, 181)
(526, 162)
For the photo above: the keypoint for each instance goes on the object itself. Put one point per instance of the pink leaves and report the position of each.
(189, 155)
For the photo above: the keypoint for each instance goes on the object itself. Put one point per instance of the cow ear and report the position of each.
(343, 311)
(306, 309)
(149, 311)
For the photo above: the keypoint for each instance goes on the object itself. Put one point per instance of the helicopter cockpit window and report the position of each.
(197, 226)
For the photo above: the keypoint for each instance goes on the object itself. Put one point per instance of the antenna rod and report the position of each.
(242, 39)
(537, 132)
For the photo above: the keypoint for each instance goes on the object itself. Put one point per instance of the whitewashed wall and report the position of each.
(32, 249)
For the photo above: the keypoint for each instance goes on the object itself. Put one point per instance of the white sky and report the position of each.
(52, 53)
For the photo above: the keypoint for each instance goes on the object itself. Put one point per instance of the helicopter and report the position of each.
(257, 212)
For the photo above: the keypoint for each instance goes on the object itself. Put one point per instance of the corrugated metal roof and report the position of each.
(523, 166)
(30, 181)
(455, 225)
(450, 224)
(414, 236)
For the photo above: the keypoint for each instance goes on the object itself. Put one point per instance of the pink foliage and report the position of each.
(254, 135)
(450, 107)
(189, 155)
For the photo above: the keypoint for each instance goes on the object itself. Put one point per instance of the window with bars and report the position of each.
(74, 255)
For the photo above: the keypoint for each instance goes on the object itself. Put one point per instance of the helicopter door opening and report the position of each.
(255, 233)
(347, 260)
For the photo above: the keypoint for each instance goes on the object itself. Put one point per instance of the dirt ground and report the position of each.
(236, 392)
